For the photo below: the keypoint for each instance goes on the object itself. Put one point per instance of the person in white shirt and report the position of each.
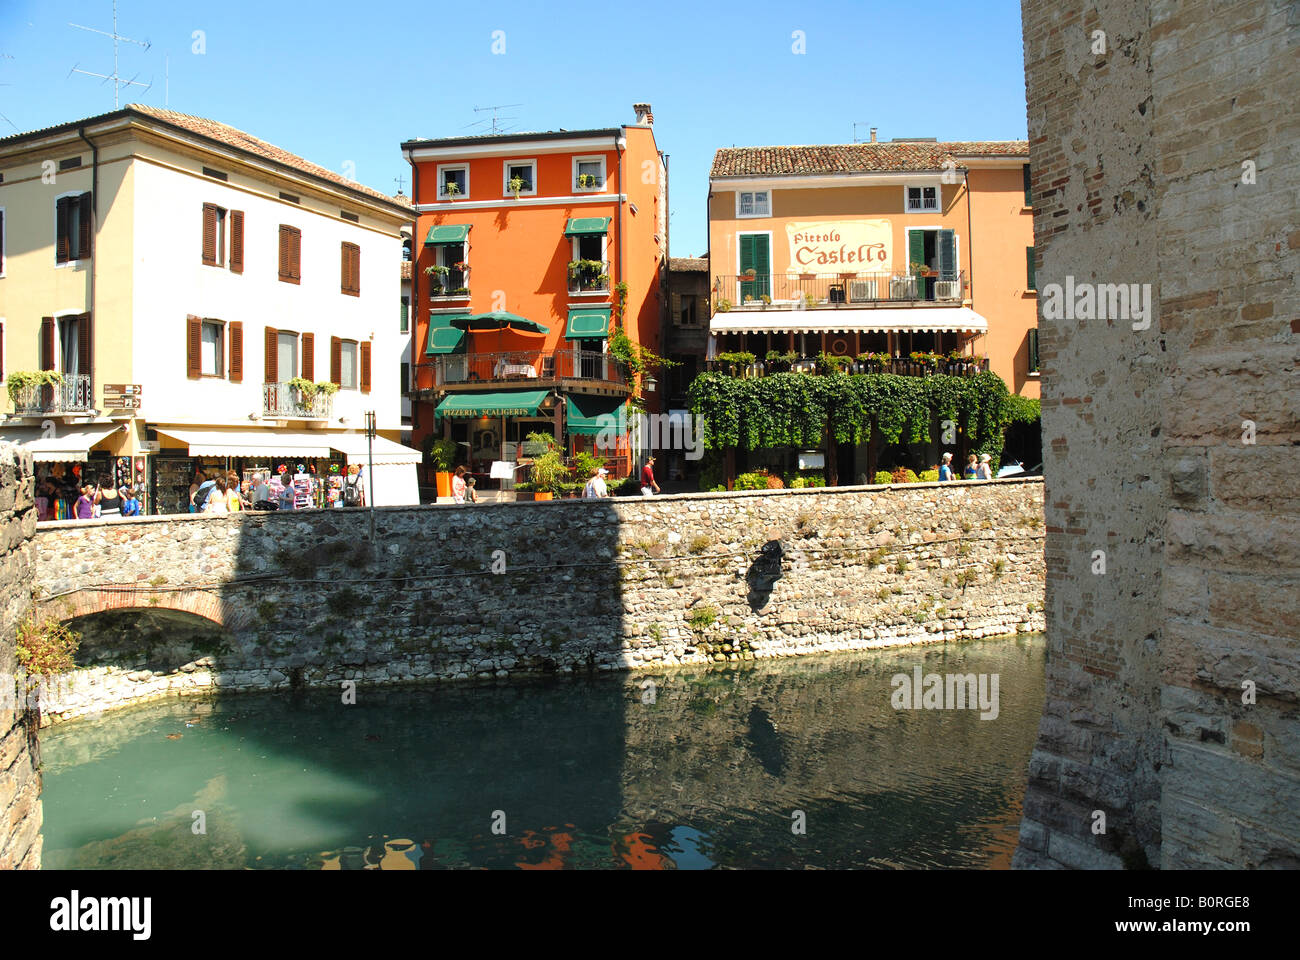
(595, 488)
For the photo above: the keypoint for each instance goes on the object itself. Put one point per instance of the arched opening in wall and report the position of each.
(146, 639)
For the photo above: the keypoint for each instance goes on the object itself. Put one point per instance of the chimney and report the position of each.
(873, 134)
(643, 114)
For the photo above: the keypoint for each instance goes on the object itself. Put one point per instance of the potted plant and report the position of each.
(723, 305)
(516, 186)
(767, 301)
(442, 455)
(548, 471)
(586, 179)
(437, 278)
(451, 189)
(303, 393)
(19, 381)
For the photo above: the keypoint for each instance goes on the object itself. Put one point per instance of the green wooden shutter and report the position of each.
(406, 315)
(1033, 350)
(754, 253)
(915, 248)
(1029, 199)
(947, 255)
(1029, 268)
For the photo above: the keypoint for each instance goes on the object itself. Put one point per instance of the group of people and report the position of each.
(94, 501)
(217, 492)
(977, 468)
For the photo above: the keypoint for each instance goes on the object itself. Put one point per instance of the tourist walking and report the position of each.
(648, 486)
(458, 485)
(261, 493)
(130, 503)
(234, 501)
(200, 490)
(353, 494)
(85, 507)
(218, 500)
(595, 488)
(945, 468)
(972, 468)
(110, 499)
(985, 471)
(287, 493)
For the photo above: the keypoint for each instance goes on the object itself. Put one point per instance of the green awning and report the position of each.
(586, 226)
(444, 339)
(498, 320)
(498, 403)
(590, 415)
(448, 233)
(587, 323)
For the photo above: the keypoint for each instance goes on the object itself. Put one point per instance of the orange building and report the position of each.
(877, 251)
(525, 242)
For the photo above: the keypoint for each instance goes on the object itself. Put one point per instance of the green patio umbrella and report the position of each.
(498, 320)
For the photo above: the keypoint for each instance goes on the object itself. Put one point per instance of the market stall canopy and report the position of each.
(443, 337)
(245, 443)
(587, 226)
(355, 447)
(68, 444)
(848, 320)
(496, 403)
(448, 233)
(498, 320)
(587, 323)
(590, 415)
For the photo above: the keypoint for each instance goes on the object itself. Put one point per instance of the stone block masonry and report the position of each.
(20, 777)
(561, 586)
(1163, 150)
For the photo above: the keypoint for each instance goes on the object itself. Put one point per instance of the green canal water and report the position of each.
(708, 768)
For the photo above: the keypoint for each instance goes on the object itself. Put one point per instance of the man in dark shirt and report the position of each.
(648, 486)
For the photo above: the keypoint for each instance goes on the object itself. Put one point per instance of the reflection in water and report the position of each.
(561, 774)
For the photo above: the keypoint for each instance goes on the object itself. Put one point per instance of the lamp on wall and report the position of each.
(649, 383)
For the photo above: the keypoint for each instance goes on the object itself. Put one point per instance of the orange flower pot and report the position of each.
(443, 480)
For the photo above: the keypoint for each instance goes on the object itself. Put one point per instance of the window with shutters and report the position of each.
(351, 269)
(1029, 195)
(406, 315)
(921, 199)
(286, 355)
(290, 254)
(212, 341)
(1033, 350)
(70, 346)
(72, 228)
(214, 235)
(348, 377)
(453, 181)
(753, 203)
(1030, 279)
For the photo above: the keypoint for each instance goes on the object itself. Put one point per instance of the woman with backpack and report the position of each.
(353, 494)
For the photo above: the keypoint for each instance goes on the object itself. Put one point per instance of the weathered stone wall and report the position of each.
(20, 777)
(622, 583)
(1139, 159)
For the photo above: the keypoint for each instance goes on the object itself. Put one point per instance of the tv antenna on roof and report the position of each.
(118, 82)
(494, 118)
(856, 138)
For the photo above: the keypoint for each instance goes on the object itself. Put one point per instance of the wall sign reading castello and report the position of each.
(833, 246)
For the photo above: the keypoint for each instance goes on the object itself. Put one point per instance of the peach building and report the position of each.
(877, 251)
(532, 250)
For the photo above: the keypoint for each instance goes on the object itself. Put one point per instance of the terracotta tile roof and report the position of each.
(687, 264)
(856, 157)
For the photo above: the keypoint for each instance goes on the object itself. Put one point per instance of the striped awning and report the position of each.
(849, 320)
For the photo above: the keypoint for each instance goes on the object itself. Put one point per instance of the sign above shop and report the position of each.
(833, 246)
(122, 390)
(150, 446)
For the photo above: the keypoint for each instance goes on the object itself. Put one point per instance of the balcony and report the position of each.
(765, 291)
(931, 365)
(589, 276)
(519, 368)
(283, 402)
(448, 283)
(74, 394)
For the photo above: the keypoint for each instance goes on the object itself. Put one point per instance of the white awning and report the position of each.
(849, 320)
(245, 443)
(68, 444)
(354, 447)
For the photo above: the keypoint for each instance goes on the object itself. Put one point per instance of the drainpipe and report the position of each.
(618, 225)
(665, 312)
(94, 250)
(970, 242)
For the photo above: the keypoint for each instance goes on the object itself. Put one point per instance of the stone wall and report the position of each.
(20, 777)
(563, 586)
(1143, 157)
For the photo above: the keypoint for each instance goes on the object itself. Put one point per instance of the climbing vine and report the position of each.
(796, 409)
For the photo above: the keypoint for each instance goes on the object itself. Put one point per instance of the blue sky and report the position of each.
(341, 82)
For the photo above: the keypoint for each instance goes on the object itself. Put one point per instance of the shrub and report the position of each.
(903, 475)
(585, 464)
(758, 480)
(883, 476)
(45, 648)
(929, 476)
(702, 617)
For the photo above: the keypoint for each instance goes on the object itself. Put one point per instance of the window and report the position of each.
(349, 216)
(757, 203)
(215, 174)
(69, 164)
(593, 275)
(1029, 196)
(214, 235)
(922, 199)
(290, 254)
(406, 315)
(211, 351)
(444, 283)
(1033, 350)
(686, 315)
(406, 250)
(406, 379)
(1029, 269)
(588, 174)
(348, 364)
(351, 269)
(72, 228)
(522, 171)
(286, 355)
(289, 197)
(70, 346)
(453, 181)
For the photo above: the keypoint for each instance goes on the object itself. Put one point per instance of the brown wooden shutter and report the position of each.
(85, 339)
(284, 253)
(84, 234)
(345, 285)
(193, 347)
(271, 363)
(47, 343)
(365, 366)
(209, 235)
(236, 241)
(336, 360)
(351, 269)
(309, 356)
(295, 254)
(236, 352)
(356, 269)
(61, 252)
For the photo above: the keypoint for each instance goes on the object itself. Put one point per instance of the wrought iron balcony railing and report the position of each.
(518, 367)
(283, 402)
(591, 276)
(817, 290)
(74, 395)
